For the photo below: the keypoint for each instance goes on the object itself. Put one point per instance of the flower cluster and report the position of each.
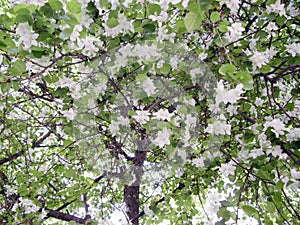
(27, 36)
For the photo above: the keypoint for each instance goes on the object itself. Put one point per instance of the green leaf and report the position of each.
(38, 54)
(60, 92)
(105, 4)
(246, 79)
(215, 17)
(227, 69)
(270, 207)
(16, 85)
(223, 26)
(154, 9)
(194, 6)
(150, 27)
(47, 11)
(69, 173)
(249, 210)
(74, 6)
(20, 66)
(71, 20)
(141, 78)
(55, 4)
(68, 142)
(112, 22)
(224, 213)
(193, 20)
(5, 87)
(222, 222)
(265, 69)
(180, 27)
(166, 68)
(23, 16)
(281, 20)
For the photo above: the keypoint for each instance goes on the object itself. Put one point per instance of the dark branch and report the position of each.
(246, 117)
(11, 157)
(64, 216)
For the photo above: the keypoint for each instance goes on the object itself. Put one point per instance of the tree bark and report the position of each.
(132, 191)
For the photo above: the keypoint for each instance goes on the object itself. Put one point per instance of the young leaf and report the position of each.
(249, 210)
(215, 17)
(227, 69)
(193, 20)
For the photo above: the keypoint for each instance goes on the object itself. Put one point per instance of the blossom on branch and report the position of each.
(163, 138)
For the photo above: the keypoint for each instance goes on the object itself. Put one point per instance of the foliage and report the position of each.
(182, 111)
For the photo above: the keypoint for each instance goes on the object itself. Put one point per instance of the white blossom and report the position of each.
(163, 138)
(86, 20)
(235, 32)
(27, 37)
(190, 121)
(43, 214)
(276, 151)
(271, 27)
(293, 49)
(293, 134)
(9, 190)
(295, 174)
(179, 172)
(65, 82)
(185, 3)
(114, 4)
(28, 205)
(89, 45)
(100, 88)
(254, 129)
(276, 8)
(148, 86)
(202, 56)
(227, 169)
(263, 141)
(218, 128)
(141, 116)
(256, 153)
(125, 25)
(29, 2)
(232, 110)
(278, 127)
(148, 211)
(163, 114)
(69, 114)
(162, 17)
(198, 162)
(292, 11)
(213, 202)
(163, 34)
(259, 102)
(233, 5)
(76, 32)
(259, 59)
(114, 126)
(228, 96)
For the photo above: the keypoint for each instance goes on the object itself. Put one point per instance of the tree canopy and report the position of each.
(149, 112)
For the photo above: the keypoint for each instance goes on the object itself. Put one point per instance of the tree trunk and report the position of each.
(131, 198)
(131, 192)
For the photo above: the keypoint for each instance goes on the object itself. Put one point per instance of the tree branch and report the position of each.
(11, 157)
(64, 216)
